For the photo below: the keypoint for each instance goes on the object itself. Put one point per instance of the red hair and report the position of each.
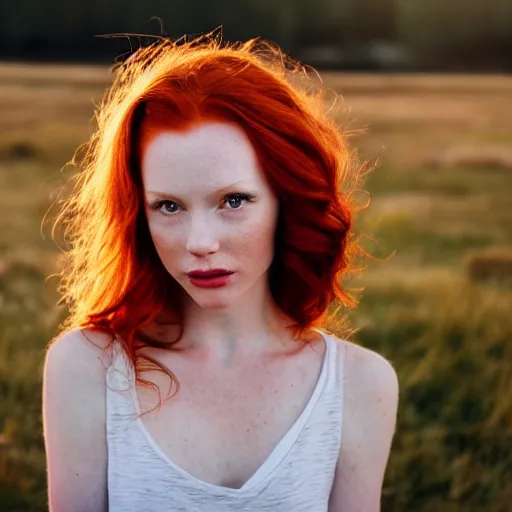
(113, 279)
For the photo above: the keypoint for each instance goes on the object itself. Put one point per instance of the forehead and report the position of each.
(207, 155)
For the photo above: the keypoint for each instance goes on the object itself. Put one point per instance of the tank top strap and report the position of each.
(120, 381)
(120, 366)
(335, 361)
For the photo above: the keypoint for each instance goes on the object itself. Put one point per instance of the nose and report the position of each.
(201, 239)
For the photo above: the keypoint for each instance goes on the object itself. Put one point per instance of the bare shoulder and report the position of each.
(75, 367)
(81, 345)
(368, 373)
(370, 404)
(74, 428)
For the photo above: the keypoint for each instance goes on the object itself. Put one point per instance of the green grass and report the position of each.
(448, 336)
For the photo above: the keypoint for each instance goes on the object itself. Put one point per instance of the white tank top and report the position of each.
(297, 476)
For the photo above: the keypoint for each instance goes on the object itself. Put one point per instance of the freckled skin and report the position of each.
(195, 230)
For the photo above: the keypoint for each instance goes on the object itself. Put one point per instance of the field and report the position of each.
(436, 300)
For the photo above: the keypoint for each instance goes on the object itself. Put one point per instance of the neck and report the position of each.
(254, 324)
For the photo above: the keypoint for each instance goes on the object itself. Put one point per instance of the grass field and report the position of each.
(437, 301)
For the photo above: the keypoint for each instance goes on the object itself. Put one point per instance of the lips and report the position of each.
(212, 279)
(204, 274)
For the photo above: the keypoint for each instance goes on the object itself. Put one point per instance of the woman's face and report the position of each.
(208, 206)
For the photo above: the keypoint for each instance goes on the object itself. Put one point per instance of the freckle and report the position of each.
(265, 422)
(248, 430)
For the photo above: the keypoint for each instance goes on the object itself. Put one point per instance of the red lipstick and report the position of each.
(209, 273)
(213, 278)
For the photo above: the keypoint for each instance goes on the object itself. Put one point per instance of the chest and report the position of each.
(221, 427)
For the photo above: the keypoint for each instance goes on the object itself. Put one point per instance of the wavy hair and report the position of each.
(111, 277)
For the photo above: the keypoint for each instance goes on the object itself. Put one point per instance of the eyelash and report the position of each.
(157, 205)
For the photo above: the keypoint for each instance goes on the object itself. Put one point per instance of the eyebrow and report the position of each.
(217, 192)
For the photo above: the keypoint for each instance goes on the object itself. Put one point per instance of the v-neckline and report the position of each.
(276, 456)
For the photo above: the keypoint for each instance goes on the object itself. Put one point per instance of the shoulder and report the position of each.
(369, 374)
(75, 367)
(80, 345)
(370, 403)
(370, 398)
(75, 374)
(74, 377)
(74, 422)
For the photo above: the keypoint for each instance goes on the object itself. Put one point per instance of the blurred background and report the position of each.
(426, 90)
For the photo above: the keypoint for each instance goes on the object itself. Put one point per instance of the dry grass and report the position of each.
(478, 157)
(493, 264)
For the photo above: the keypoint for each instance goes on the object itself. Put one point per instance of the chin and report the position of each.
(213, 302)
(212, 299)
(215, 306)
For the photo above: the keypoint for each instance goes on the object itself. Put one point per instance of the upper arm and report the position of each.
(369, 420)
(74, 423)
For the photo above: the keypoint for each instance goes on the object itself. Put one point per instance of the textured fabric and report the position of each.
(297, 476)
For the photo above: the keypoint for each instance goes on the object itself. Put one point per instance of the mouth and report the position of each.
(204, 274)
(211, 280)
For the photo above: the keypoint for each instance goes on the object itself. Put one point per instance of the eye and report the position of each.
(165, 206)
(235, 200)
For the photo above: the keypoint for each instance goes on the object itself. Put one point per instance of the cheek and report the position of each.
(164, 240)
(258, 242)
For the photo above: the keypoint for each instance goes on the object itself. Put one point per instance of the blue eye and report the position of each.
(236, 199)
(165, 206)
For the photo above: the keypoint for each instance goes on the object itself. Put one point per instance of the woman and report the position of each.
(208, 234)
